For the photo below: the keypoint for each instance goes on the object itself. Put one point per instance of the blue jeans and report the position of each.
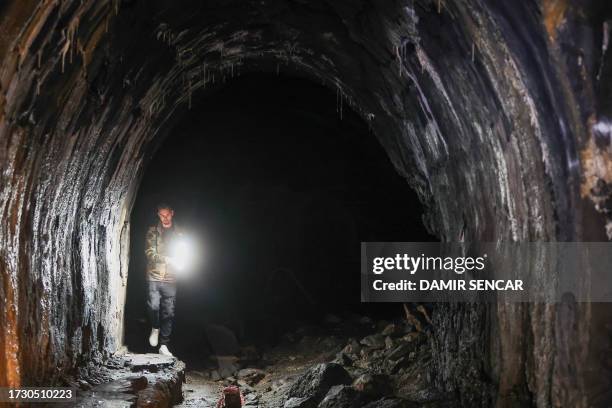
(160, 304)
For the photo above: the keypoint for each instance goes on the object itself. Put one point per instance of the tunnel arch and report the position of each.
(470, 100)
(264, 171)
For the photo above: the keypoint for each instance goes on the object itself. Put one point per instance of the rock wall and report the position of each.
(481, 105)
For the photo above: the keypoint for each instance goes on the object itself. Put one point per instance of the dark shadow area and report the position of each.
(280, 191)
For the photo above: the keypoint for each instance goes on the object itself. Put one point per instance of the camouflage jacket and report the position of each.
(156, 250)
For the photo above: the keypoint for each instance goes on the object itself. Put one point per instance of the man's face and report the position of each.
(165, 216)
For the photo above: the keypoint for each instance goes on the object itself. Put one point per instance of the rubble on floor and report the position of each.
(344, 363)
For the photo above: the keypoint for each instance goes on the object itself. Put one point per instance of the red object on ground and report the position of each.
(231, 398)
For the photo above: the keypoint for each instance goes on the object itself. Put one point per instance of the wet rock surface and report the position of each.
(495, 113)
(143, 380)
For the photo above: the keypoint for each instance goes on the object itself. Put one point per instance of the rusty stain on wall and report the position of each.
(554, 14)
(9, 341)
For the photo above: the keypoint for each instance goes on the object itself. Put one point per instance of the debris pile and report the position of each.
(344, 362)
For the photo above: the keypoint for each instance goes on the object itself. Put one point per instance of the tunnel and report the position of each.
(439, 120)
(274, 241)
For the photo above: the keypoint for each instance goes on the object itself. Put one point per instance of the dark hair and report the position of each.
(163, 205)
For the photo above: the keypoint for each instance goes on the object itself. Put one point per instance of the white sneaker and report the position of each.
(153, 338)
(164, 350)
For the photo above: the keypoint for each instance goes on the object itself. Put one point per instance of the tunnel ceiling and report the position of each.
(485, 107)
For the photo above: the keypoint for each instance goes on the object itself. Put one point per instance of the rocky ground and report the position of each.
(346, 362)
(128, 380)
(354, 362)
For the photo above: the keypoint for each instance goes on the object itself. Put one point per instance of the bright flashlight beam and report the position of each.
(182, 255)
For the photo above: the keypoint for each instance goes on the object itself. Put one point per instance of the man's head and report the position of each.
(165, 214)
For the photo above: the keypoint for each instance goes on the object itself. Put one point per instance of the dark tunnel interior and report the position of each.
(280, 183)
(285, 133)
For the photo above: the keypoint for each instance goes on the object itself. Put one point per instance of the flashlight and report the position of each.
(181, 254)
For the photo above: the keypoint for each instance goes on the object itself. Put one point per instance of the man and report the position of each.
(161, 278)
